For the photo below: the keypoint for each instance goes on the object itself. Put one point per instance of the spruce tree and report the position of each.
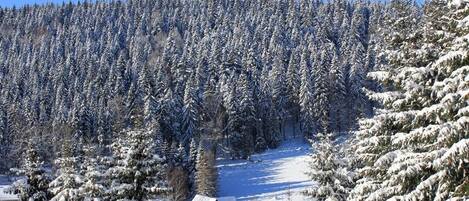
(416, 147)
(306, 95)
(333, 181)
(68, 180)
(92, 187)
(137, 172)
(189, 112)
(322, 91)
(35, 185)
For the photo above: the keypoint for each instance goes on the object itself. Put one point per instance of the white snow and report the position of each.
(277, 174)
(4, 184)
(206, 198)
(203, 198)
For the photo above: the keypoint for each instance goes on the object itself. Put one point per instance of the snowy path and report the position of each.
(280, 174)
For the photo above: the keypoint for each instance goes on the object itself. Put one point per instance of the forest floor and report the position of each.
(277, 174)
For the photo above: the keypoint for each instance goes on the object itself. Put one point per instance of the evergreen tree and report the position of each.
(416, 147)
(92, 187)
(356, 82)
(306, 95)
(338, 95)
(68, 180)
(5, 139)
(279, 89)
(35, 185)
(321, 90)
(328, 170)
(247, 114)
(137, 172)
(189, 112)
(294, 83)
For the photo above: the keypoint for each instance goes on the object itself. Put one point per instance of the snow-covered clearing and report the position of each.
(4, 183)
(277, 174)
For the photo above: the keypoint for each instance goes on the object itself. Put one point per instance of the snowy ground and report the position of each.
(4, 183)
(278, 174)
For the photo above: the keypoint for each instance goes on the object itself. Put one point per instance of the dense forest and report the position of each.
(134, 100)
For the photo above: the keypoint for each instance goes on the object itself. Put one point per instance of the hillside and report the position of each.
(144, 99)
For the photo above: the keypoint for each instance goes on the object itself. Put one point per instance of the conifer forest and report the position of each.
(142, 99)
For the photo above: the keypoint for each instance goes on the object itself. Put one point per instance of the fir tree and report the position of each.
(416, 147)
(35, 185)
(189, 112)
(137, 172)
(328, 170)
(306, 95)
(92, 187)
(65, 185)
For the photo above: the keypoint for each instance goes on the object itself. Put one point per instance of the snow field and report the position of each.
(277, 174)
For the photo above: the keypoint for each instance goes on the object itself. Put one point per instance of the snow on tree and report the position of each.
(293, 84)
(139, 64)
(293, 77)
(247, 113)
(322, 90)
(4, 137)
(92, 187)
(329, 171)
(279, 89)
(356, 81)
(170, 119)
(189, 112)
(416, 148)
(36, 182)
(68, 180)
(150, 111)
(306, 94)
(338, 95)
(192, 162)
(137, 172)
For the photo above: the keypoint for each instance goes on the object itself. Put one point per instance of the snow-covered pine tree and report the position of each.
(356, 82)
(92, 187)
(68, 180)
(333, 181)
(293, 83)
(137, 172)
(306, 94)
(5, 139)
(417, 148)
(279, 88)
(401, 19)
(151, 111)
(190, 112)
(36, 182)
(322, 89)
(170, 110)
(122, 75)
(338, 95)
(192, 162)
(233, 133)
(247, 114)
